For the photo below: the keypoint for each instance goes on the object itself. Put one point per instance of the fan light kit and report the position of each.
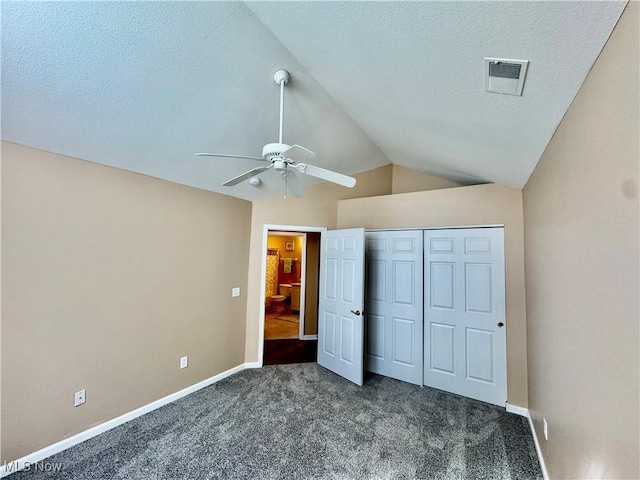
(284, 158)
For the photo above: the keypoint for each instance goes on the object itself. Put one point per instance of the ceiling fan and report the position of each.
(285, 158)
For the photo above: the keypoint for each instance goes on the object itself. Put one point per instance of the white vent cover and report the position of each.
(502, 75)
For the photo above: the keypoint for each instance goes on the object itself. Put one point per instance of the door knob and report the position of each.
(500, 324)
(356, 312)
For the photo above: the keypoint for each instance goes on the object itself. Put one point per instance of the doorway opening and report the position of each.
(284, 317)
(290, 276)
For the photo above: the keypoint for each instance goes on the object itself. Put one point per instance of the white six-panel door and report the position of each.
(393, 304)
(465, 331)
(341, 326)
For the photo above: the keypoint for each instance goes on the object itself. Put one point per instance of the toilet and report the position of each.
(277, 302)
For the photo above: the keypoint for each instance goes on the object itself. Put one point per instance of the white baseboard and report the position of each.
(525, 413)
(309, 337)
(28, 460)
(543, 466)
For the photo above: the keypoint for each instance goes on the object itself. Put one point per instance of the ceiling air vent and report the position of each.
(506, 76)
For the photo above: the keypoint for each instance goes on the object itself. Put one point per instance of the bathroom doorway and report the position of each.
(284, 318)
(289, 315)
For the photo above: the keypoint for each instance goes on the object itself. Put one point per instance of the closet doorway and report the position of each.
(434, 308)
(289, 313)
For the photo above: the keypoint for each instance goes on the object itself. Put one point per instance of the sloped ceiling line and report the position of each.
(144, 85)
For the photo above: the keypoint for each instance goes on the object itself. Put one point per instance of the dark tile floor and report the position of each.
(280, 352)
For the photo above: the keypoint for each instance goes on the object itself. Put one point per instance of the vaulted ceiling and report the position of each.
(144, 85)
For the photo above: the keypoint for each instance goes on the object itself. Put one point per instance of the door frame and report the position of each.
(266, 228)
(303, 276)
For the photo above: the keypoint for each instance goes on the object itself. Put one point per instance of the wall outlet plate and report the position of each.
(79, 398)
(545, 429)
(184, 362)
(235, 292)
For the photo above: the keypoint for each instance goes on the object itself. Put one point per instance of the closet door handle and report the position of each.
(356, 312)
(500, 324)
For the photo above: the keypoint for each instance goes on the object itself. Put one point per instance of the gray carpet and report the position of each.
(302, 422)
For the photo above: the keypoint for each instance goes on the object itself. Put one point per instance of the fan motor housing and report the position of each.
(272, 150)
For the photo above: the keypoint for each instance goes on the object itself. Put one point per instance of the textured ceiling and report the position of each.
(144, 85)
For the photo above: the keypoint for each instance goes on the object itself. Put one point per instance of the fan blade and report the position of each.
(294, 185)
(244, 176)
(328, 175)
(298, 153)
(230, 156)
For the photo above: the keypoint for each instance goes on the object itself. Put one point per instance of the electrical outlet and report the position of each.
(184, 362)
(545, 429)
(79, 398)
(235, 292)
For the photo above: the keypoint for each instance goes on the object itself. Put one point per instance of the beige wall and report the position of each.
(463, 206)
(581, 233)
(317, 209)
(406, 180)
(109, 277)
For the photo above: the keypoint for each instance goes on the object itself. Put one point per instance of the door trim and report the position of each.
(448, 227)
(263, 274)
(303, 286)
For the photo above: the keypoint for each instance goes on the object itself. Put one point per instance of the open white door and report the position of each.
(340, 315)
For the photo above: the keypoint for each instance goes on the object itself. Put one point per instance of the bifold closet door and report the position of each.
(393, 304)
(465, 331)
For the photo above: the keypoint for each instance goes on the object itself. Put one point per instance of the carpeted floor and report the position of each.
(303, 422)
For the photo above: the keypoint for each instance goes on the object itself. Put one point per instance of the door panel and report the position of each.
(348, 278)
(442, 285)
(375, 280)
(403, 335)
(329, 333)
(442, 351)
(465, 349)
(394, 307)
(375, 336)
(480, 355)
(347, 341)
(403, 279)
(477, 291)
(341, 331)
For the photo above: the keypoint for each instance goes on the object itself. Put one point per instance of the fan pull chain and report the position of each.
(286, 179)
